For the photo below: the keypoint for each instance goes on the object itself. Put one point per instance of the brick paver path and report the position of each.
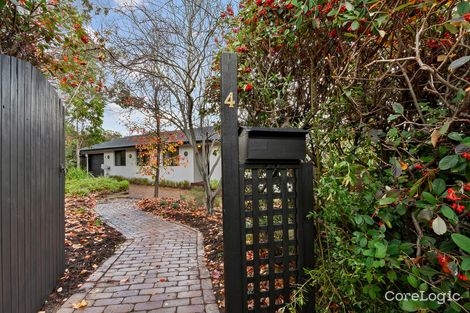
(160, 268)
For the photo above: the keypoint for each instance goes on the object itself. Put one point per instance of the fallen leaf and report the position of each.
(435, 137)
(80, 304)
(124, 280)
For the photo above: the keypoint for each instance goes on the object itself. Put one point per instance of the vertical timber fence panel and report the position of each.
(267, 194)
(32, 187)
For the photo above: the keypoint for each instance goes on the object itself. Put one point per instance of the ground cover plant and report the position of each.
(81, 183)
(383, 88)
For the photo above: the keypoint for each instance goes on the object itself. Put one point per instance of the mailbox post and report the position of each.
(267, 194)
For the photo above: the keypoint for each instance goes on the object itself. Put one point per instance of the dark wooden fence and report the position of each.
(32, 187)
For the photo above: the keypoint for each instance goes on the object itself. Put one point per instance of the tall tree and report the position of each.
(147, 96)
(172, 42)
(51, 35)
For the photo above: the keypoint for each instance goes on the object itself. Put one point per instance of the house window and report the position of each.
(142, 159)
(171, 157)
(120, 158)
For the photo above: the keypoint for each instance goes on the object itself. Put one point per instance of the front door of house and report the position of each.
(95, 164)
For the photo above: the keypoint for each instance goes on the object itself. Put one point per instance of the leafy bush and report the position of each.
(383, 88)
(214, 184)
(85, 186)
(77, 173)
(175, 184)
(135, 181)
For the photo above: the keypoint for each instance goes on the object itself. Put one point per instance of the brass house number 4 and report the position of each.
(229, 100)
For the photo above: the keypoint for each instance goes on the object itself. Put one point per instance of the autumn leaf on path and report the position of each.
(80, 304)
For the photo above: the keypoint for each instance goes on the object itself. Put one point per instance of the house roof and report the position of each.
(171, 136)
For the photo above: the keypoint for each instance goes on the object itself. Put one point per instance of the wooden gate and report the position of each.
(267, 194)
(32, 187)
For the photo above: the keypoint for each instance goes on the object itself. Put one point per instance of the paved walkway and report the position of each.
(160, 268)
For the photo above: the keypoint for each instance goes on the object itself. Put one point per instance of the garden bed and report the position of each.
(88, 243)
(187, 212)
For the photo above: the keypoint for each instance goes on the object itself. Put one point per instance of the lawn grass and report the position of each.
(80, 183)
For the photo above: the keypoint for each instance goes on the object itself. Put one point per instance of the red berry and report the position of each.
(466, 16)
(462, 277)
(84, 39)
(248, 87)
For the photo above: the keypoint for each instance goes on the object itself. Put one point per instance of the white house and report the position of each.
(120, 157)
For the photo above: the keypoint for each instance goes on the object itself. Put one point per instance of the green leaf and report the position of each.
(358, 219)
(458, 63)
(401, 209)
(438, 186)
(425, 215)
(401, 7)
(423, 287)
(455, 136)
(393, 117)
(381, 250)
(386, 200)
(392, 276)
(463, 7)
(450, 214)
(412, 281)
(429, 198)
(349, 6)
(409, 306)
(444, 129)
(428, 271)
(451, 28)
(455, 307)
(396, 168)
(449, 162)
(397, 108)
(355, 25)
(439, 226)
(462, 241)
(2, 3)
(465, 265)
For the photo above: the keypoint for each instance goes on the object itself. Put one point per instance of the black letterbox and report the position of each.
(271, 144)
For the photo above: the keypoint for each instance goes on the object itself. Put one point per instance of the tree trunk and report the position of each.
(157, 178)
(77, 146)
(157, 170)
(159, 143)
(209, 198)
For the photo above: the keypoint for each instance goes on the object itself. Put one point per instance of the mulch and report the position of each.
(88, 243)
(187, 212)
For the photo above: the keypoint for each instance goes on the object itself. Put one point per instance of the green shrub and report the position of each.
(140, 181)
(77, 173)
(82, 187)
(174, 184)
(135, 181)
(214, 184)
